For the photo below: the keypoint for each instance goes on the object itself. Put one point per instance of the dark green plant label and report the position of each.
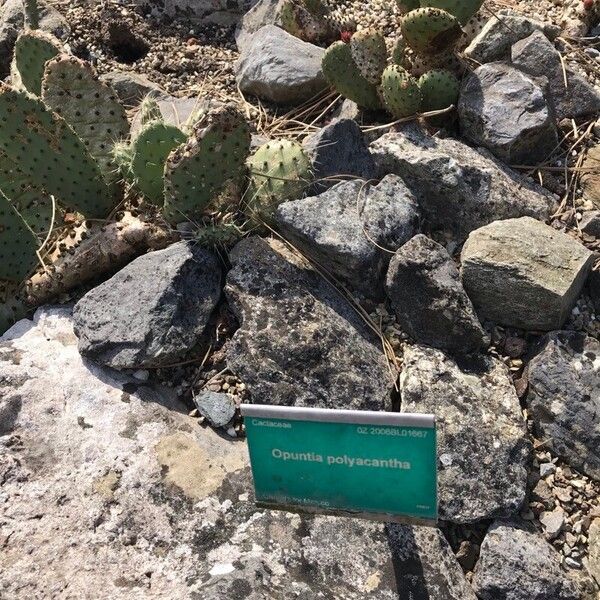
(374, 465)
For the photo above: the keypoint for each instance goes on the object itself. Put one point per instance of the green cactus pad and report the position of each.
(407, 5)
(400, 92)
(439, 89)
(369, 54)
(18, 244)
(122, 154)
(151, 149)
(430, 30)
(196, 171)
(446, 61)
(12, 305)
(71, 88)
(399, 54)
(149, 111)
(341, 72)
(50, 154)
(463, 10)
(33, 50)
(279, 171)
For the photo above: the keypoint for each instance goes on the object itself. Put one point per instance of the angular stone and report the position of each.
(516, 563)
(338, 151)
(345, 228)
(299, 342)
(590, 176)
(522, 273)
(590, 223)
(152, 312)
(131, 87)
(483, 448)
(564, 398)
(457, 187)
(424, 288)
(262, 13)
(538, 57)
(500, 33)
(553, 522)
(278, 67)
(505, 111)
(217, 408)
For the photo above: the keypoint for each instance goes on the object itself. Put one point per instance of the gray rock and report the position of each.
(12, 22)
(590, 223)
(346, 227)
(564, 398)
(217, 408)
(424, 288)
(458, 188)
(299, 342)
(500, 33)
(264, 12)
(483, 448)
(152, 312)
(522, 273)
(337, 150)
(538, 57)
(516, 563)
(131, 87)
(505, 111)
(278, 67)
(553, 522)
(594, 550)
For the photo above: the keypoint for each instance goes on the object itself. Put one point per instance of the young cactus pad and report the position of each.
(430, 30)
(50, 154)
(196, 171)
(150, 151)
(33, 50)
(279, 171)
(71, 88)
(439, 89)
(341, 72)
(463, 10)
(149, 111)
(369, 54)
(400, 92)
(18, 244)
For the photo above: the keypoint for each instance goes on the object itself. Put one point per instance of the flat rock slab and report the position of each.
(457, 187)
(564, 398)
(538, 57)
(516, 563)
(345, 228)
(299, 342)
(279, 67)
(483, 449)
(425, 291)
(505, 111)
(522, 273)
(152, 312)
(108, 485)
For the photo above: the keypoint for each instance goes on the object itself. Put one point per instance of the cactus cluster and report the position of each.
(306, 19)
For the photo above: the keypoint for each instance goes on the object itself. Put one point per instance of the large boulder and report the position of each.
(458, 188)
(517, 563)
(279, 67)
(299, 342)
(425, 291)
(522, 273)
(505, 111)
(152, 312)
(346, 227)
(564, 398)
(483, 448)
(538, 57)
(110, 490)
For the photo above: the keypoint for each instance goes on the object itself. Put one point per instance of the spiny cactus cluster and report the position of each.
(430, 30)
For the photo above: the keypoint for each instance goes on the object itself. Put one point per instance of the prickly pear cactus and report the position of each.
(439, 89)
(32, 14)
(463, 10)
(448, 61)
(71, 88)
(150, 151)
(407, 5)
(308, 24)
(122, 154)
(197, 170)
(279, 171)
(430, 30)
(149, 111)
(400, 91)
(399, 55)
(50, 154)
(369, 54)
(18, 244)
(341, 72)
(33, 49)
